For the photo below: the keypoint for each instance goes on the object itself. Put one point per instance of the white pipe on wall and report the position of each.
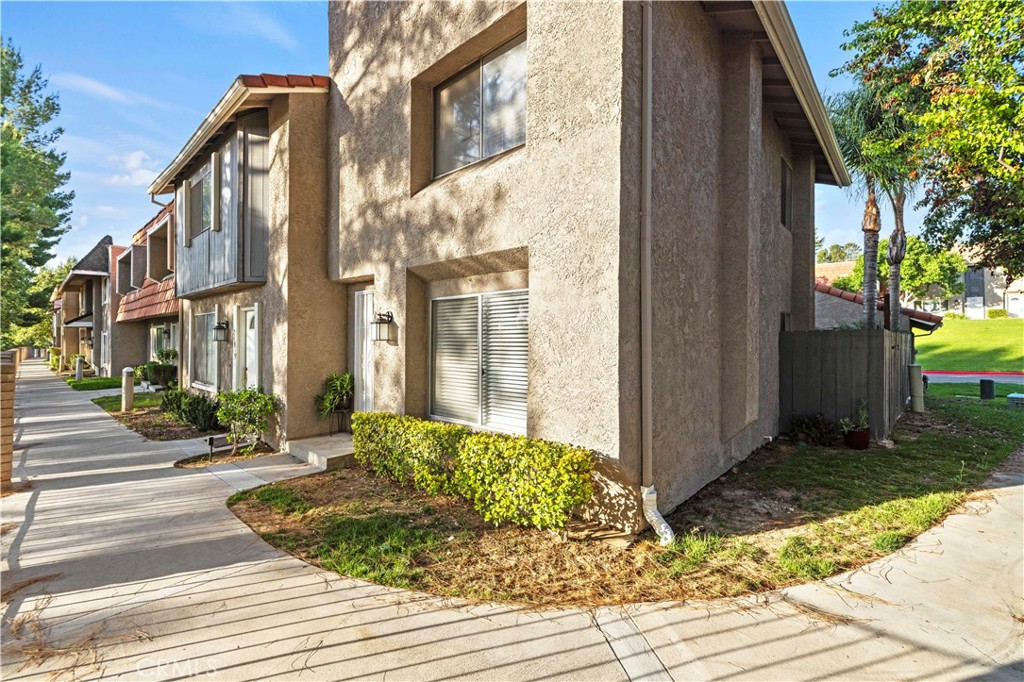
(650, 495)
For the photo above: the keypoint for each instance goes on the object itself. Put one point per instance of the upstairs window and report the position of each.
(481, 111)
(199, 197)
(157, 252)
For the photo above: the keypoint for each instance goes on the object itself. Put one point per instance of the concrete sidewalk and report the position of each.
(143, 573)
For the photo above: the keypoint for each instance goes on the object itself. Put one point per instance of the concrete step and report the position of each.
(324, 452)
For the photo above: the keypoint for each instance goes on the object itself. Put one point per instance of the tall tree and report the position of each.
(34, 208)
(928, 273)
(838, 253)
(955, 71)
(854, 114)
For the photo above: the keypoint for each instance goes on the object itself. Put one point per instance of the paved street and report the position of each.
(138, 570)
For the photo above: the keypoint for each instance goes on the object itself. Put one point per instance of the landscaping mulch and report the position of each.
(225, 457)
(154, 424)
(789, 514)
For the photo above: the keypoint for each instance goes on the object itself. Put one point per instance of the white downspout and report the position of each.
(650, 495)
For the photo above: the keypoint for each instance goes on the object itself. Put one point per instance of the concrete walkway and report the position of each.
(143, 573)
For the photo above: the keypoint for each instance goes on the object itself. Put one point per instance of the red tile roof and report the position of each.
(140, 234)
(859, 298)
(154, 299)
(273, 80)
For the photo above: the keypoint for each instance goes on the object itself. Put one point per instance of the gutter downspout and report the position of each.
(152, 198)
(649, 494)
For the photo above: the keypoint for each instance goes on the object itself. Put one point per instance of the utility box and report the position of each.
(1015, 401)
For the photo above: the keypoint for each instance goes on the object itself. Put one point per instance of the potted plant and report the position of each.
(336, 395)
(857, 434)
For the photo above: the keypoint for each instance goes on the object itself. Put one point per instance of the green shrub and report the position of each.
(157, 373)
(997, 313)
(200, 412)
(814, 429)
(246, 413)
(407, 449)
(55, 359)
(167, 356)
(953, 316)
(173, 401)
(525, 481)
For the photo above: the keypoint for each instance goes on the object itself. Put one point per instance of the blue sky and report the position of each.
(136, 78)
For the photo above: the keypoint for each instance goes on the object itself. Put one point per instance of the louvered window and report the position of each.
(479, 360)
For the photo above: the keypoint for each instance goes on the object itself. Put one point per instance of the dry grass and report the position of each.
(6, 528)
(787, 515)
(10, 589)
(15, 488)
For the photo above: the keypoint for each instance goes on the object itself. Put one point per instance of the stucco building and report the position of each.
(250, 248)
(582, 222)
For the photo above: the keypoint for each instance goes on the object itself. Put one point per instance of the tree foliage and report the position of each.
(927, 273)
(837, 253)
(34, 207)
(955, 72)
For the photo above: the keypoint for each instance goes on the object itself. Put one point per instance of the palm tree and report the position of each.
(854, 115)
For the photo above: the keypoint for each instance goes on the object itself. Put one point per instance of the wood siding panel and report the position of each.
(256, 209)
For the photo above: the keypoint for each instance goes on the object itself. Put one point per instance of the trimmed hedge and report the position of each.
(407, 449)
(193, 409)
(525, 481)
(509, 479)
(997, 313)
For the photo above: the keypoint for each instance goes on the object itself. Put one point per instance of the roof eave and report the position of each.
(214, 121)
(782, 34)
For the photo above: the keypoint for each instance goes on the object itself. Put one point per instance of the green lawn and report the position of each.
(112, 403)
(974, 346)
(95, 383)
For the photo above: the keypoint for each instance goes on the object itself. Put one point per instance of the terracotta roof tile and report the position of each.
(859, 298)
(154, 299)
(268, 80)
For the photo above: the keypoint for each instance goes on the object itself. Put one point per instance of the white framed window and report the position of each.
(199, 202)
(158, 340)
(479, 358)
(481, 111)
(203, 355)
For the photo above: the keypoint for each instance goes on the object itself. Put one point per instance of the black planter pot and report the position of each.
(346, 404)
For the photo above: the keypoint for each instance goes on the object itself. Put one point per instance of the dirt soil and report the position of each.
(154, 424)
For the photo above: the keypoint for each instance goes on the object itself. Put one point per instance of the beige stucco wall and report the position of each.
(551, 207)
(301, 310)
(565, 210)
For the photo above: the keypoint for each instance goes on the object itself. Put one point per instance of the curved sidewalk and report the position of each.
(139, 570)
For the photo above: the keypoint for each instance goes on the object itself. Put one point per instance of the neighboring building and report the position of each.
(147, 317)
(589, 223)
(836, 309)
(82, 308)
(984, 289)
(250, 257)
(826, 273)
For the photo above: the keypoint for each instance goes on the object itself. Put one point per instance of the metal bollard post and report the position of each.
(127, 388)
(916, 389)
(78, 368)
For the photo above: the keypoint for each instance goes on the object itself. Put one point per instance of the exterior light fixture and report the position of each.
(380, 328)
(88, 341)
(167, 332)
(220, 332)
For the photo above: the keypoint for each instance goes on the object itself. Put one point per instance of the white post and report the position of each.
(916, 389)
(78, 368)
(127, 388)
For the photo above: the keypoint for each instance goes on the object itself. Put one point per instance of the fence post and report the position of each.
(7, 375)
(127, 388)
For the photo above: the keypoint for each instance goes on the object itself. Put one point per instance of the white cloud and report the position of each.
(237, 21)
(137, 167)
(99, 90)
(263, 26)
(107, 210)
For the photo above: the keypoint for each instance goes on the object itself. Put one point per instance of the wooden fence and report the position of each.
(830, 372)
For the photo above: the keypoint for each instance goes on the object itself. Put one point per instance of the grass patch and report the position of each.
(787, 515)
(974, 346)
(95, 383)
(951, 390)
(112, 403)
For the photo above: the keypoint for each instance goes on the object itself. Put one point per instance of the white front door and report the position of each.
(362, 352)
(250, 371)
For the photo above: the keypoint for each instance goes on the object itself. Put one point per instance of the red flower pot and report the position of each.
(858, 439)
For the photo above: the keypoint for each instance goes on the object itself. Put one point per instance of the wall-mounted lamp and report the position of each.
(88, 341)
(167, 332)
(220, 332)
(380, 328)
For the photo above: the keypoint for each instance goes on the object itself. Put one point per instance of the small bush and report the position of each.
(407, 449)
(200, 412)
(525, 481)
(997, 313)
(247, 415)
(814, 429)
(953, 316)
(55, 359)
(172, 402)
(157, 373)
